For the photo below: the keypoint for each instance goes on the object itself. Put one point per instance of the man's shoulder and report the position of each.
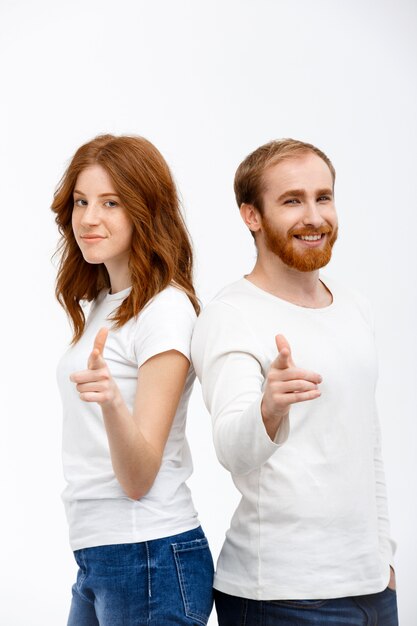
(231, 293)
(348, 297)
(343, 289)
(231, 301)
(227, 323)
(230, 311)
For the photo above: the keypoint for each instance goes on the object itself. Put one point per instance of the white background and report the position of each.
(207, 82)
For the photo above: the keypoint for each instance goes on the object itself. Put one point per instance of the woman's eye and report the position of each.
(110, 203)
(80, 202)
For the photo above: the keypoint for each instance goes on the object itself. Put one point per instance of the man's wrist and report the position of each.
(272, 423)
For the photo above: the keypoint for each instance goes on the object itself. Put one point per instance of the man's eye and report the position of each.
(291, 201)
(80, 202)
(324, 199)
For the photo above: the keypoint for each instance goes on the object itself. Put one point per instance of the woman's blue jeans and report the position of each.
(377, 609)
(154, 583)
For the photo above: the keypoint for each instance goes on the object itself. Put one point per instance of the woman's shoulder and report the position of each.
(165, 323)
(171, 298)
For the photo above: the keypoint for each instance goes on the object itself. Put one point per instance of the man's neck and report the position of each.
(301, 288)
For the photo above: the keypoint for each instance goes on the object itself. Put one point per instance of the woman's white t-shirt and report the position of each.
(98, 510)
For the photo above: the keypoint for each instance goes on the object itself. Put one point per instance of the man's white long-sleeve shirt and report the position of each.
(312, 521)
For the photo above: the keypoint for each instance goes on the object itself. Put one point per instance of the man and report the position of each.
(288, 370)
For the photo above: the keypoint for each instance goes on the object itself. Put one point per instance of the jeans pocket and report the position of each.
(394, 591)
(81, 574)
(195, 574)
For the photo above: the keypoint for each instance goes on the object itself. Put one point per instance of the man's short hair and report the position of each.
(248, 183)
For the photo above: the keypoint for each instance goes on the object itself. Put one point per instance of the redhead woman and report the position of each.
(125, 384)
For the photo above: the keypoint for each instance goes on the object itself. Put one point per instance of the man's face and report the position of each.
(299, 221)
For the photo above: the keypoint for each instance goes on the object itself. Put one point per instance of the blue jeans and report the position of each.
(157, 583)
(377, 609)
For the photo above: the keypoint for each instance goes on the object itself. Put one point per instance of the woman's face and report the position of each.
(101, 225)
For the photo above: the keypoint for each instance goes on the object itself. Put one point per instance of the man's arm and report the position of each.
(248, 405)
(387, 544)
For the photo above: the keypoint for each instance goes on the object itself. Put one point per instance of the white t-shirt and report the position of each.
(98, 510)
(312, 522)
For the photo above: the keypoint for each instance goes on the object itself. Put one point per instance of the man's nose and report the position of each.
(312, 216)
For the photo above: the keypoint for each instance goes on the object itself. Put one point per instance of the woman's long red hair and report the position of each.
(161, 252)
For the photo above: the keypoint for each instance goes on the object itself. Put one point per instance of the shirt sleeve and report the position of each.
(387, 544)
(227, 362)
(166, 323)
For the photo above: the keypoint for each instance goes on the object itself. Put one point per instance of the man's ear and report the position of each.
(251, 216)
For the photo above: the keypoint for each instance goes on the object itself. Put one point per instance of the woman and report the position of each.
(125, 384)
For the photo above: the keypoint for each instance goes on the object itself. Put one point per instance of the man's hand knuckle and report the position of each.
(270, 377)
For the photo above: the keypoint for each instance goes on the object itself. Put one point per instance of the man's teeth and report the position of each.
(310, 237)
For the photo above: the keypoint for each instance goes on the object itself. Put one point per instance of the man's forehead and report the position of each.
(299, 170)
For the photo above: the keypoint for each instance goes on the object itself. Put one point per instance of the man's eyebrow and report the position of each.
(101, 195)
(325, 192)
(301, 193)
(291, 192)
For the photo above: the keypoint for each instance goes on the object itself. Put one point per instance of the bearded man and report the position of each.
(287, 363)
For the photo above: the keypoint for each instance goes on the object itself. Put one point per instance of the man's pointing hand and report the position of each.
(285, 385)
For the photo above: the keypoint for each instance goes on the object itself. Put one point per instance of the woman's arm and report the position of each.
(136, 440)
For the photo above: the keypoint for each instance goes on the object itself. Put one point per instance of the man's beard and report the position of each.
(310, 259)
